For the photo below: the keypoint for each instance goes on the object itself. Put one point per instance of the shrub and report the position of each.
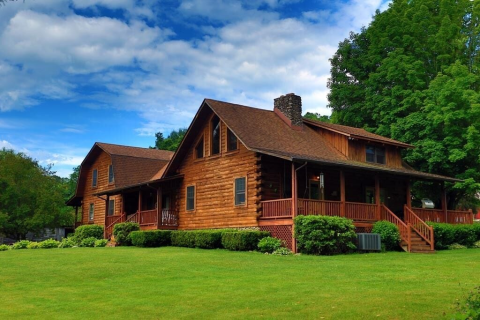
(121, 232)
(4, 247)
(242, 240)
(88, 242)
(22, 244)
(465, 234)
(455, 246)
(67, 243)
(183, 239)
(269, 244)
(282, 251)
(447, 234)
(324, 235)
(388, 233)
(49, 244)
(476, 244)
(33, 245)
(208, 239)
(87, 231)
(152, 238)
(101, 243)
(470, 307)
(444, 235)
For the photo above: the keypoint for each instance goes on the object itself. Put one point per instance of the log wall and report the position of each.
(357, 152)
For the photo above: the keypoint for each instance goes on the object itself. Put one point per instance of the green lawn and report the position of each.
(122, 283)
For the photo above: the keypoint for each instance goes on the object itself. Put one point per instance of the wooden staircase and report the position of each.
(416, 236)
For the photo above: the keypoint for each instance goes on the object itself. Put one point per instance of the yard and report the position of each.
(122, 283)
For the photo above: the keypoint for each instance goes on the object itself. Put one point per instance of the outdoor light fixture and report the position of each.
(322, 180)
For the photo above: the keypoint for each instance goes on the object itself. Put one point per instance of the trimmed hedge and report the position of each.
(209, 239)
(151, 238)
(183, 239)
(388, 233)
(121, 232)
(87, 231)
(324, 235)
(447, 234)
(243, 240)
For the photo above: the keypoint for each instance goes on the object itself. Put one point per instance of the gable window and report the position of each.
(190, 198)
(110, 174)
(111, 207)
(215, 135)
(240, 191)
(232, 141)
(199, 149)
(375, 154)
(94, 177)
(91, 212)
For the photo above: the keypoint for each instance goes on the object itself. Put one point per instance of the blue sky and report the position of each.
(80, 71)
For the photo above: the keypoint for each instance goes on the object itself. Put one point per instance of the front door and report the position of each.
(314, 189)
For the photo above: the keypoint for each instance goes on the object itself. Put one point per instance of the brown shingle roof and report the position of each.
(115, 149)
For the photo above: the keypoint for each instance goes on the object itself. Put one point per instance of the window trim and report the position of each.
(194, 198)
(230, 133)
(219, 136)
(91, 212)
(113, 174)
(195, 156)
(95, 170)
(109, 206)
(235, 191)
(375, 148)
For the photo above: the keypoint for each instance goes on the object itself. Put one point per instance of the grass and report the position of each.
(122, 283)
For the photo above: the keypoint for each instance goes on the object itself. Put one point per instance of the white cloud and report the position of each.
(7, 145)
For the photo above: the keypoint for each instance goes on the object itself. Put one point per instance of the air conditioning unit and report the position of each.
(369, 242)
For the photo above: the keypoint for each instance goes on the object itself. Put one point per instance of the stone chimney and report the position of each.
(289, 108)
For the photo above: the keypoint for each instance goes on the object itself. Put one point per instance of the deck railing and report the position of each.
(424, 230)
(438, 215)
(404, 230)
(318, 207)
(169, 218)
(459, 217)
(148, 217)
(281, 208)
(361, 211)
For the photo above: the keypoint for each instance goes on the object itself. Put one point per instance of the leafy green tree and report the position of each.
(170, 143)
(413, 75)
(316, 116)
(31, 196)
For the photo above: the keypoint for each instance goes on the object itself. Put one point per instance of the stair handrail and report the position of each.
(424, 230)
(389, 216)
(132, 217)
(109, 227)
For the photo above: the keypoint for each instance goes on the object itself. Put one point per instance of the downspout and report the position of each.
(295, 202)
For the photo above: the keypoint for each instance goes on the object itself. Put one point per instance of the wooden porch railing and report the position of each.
(425, 231)
(110, 222)
(361, 211)
(133, 218)
(438, 215)
(148, 217)
(169, 218)
(281, 208)
(318, 207)
(405, 231)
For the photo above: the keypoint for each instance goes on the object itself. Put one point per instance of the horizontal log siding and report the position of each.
(357, 152)
(213, 177)
(336, 140)
(101, 164)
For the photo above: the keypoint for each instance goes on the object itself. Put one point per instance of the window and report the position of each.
(375, 154)
(232, 142)
(190, 198)
(94, 177)
(110, 174)
(199, 149)
(215, 135)
(111, 207)
(240, 191)
(91, 212)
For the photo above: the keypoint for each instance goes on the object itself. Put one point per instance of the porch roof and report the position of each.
(137, 185)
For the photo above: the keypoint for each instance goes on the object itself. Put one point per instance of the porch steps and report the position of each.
(418, 245)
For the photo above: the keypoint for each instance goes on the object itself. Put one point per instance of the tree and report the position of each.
(170, 143)
(317, 117)
(32, 198)
(413, 75)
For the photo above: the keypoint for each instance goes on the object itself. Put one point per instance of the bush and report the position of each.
(67, 243)
(324, 235)
(101, 243)
(183, 239)
(121, 232)
(22, 244)
(470, 307)
(208, 239)
(33, 245)
(88, 242)
(444, 235)
(388, 233)
(455, 246)
(49, 244)
(269, 244)
(465, 234)
(447, 234)
(476, 244)
(282, 251)
(242, 240)
(4, 247)
(87, 231)
(151, 239)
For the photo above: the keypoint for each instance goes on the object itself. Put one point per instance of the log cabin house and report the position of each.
(244, 167)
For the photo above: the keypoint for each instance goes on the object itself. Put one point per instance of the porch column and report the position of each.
(107, 203)
(123, 208)
(342, 193)
(377, 196)
(159, 207)
(409, 195)
(294, 206)
(138, 218)
(444, 202)
(76, 218)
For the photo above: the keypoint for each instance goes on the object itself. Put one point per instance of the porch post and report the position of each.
(409, 195)
(139, 205)
(123, 208)
(159, 207)
(294, 205)
(377, 196)
(107, 203)
(444, 202)
(76, 218)
(342, 193)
